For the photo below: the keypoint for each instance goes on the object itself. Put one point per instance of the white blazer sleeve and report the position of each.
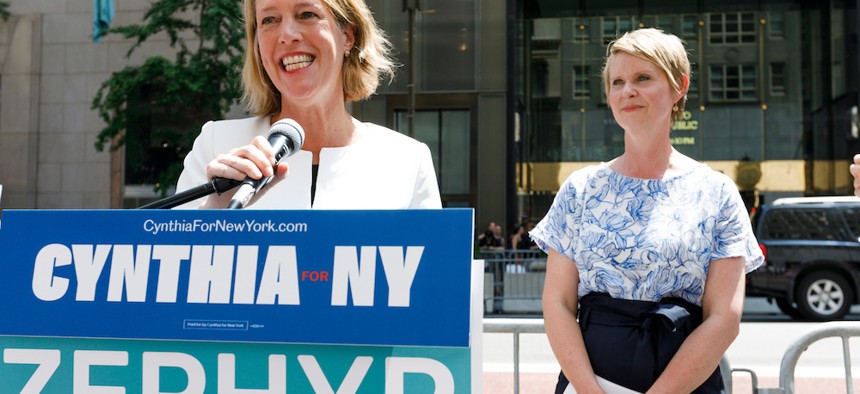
(426, 192)
(194, 167)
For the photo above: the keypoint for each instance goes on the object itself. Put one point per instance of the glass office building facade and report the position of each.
(452, 88)
(509, 97)
(772, 101)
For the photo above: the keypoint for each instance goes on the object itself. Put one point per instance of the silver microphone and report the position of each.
(287, 137)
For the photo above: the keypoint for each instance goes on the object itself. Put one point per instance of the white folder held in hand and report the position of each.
(607, 386)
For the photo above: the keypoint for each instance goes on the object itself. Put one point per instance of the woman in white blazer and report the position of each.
(306, 60)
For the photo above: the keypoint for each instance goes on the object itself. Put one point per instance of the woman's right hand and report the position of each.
(560, 302)
(255, 160)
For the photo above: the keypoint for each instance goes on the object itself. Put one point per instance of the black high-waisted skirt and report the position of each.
(631, 342)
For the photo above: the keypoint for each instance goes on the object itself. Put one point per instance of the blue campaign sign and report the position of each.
(392, 278)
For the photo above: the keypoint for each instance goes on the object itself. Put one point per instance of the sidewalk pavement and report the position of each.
(544, 383)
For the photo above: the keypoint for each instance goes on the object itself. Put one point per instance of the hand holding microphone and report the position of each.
(258, 162)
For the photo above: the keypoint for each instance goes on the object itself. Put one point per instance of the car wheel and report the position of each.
(823, 295)
(787, 308)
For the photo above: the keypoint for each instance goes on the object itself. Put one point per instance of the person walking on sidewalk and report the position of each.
(649, 249)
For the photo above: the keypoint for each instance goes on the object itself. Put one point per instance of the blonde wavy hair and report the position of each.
(368, 61)
(664, 50)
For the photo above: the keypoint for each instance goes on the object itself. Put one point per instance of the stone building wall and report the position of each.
(50, 70)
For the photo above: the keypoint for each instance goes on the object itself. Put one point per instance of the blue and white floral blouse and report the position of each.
(646, 239)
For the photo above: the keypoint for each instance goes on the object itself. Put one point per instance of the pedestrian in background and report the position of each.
(653, 246)
(517, 236)
(491, 239)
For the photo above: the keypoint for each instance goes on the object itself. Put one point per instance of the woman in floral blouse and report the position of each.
(650, 248)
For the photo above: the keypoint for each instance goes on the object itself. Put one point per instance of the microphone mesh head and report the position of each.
(290, 129)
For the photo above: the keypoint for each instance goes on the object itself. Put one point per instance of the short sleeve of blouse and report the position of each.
(733, 234)
(560, 227)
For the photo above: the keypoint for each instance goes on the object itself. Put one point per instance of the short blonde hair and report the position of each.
(664, 50)
(368, 60)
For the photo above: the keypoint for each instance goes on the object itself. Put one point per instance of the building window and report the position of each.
(448, 135)
(614, 27)
(540, 77)
(690, 27)
(546, 73)
(732, 83)
(662, 22)
(445, 45)
(776, 25)
(548, 29)
(777, 79)
(732, 28)
(581, 87)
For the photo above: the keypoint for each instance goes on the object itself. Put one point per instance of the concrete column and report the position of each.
(20, 39)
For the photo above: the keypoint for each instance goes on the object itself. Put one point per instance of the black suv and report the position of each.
(812, 256)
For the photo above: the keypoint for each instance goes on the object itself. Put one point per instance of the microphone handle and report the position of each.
(246, 191)
(217, 185)
(242, 196)
(221, 185)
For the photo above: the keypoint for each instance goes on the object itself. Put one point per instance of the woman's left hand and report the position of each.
(722, 307)
(255, 160)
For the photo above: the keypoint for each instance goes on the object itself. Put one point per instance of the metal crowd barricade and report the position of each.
(844, 330)
(513, 280)
(516, 327)
(536, 326)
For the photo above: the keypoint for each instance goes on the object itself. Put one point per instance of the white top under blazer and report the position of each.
(381, 169)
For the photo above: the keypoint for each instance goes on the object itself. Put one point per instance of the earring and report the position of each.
(346, 54)
(675, 108)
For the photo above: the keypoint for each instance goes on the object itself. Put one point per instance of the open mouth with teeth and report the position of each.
(292, 63)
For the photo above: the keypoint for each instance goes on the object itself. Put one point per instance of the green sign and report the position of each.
(65, 365)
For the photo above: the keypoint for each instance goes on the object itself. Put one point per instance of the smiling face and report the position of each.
(302, 49)
(639, 92)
